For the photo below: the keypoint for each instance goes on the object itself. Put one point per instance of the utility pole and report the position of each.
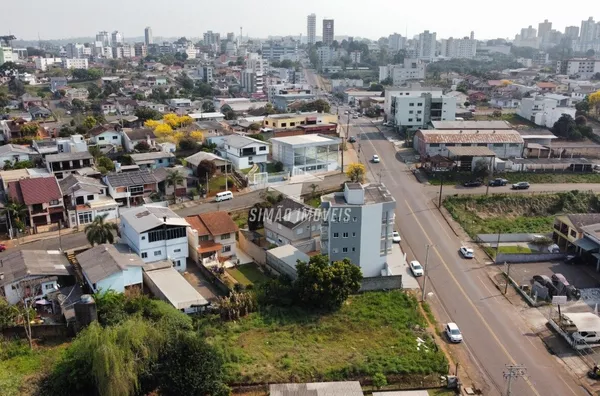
(226, 186)
(425, 273)
(441, 188)
(344, 139)
(487, 188)
(507, 277)
(513, 371)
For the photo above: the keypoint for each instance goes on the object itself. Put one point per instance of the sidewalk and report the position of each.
(11, 243)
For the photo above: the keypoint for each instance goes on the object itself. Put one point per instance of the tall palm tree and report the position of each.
(15, 211)
(99, 231)
(174, 178)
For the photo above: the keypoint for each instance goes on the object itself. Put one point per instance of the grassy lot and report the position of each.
(240, 218)
(454, 178)
(217, 184)
(372, 333)
(513, 118)
(441, 392)
(514, 249)
(314, 202)
(21, 368)
(517, 213)
(247, 274)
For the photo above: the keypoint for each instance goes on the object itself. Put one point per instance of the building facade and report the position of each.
(311, 29)
(411, 69)
(417, 111)
(426, 46)
(328, 31)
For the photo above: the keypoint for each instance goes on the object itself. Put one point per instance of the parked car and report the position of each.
(520, 186)
(375, 158)
(472, 183)
(453, 333)
(2, 247)
(416, 268)
(396, 237)
(387, 124)
(466, 252)
(498, 182)
(352, 139)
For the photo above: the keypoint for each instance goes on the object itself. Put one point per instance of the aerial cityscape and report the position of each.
(331, 211)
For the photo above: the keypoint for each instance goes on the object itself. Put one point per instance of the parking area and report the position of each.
(577, 275)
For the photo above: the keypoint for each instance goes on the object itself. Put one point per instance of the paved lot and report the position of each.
(522, 273)
(200, 283)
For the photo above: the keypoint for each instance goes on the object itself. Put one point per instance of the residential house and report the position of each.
(7, 176)
(546, 87)
(244, 152)
(86, 198)
(126, 106)
(63, 164)
(292, 222)
(160, 107)
(133, 137)
(156, 233)
(106, 135)
(111, 267)
(28, 100)
(162, 174)
(39, 112)
(194, 160)
(545, 110)
(43, 199)
(476, 96)
(153, 159)
(71, 144)
(178, 103)
(130, 188)
(569, 229)
(212, 237)
(12, 153)
(505, 102)
(156, 80)
(76, 93)
(32, 274)
(358, 225)
(57, 83)
(341, 388)
(108, 107)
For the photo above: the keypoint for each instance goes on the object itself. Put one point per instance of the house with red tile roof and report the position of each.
(212, 237)
(43, 199)
(546, 86)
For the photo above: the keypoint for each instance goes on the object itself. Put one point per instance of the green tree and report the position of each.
(379, 380)
(145, 113)
(142, 147)
(187, 143)
(190, 366)
(78, 105)
(105, 165)
(99, 231)
(566, 128)
(16, 87)
(208, 107)
(89, 122)
(206, 168)
(80, 74)
(185, 82)
(8, 314)
(325, 285)
(387, 81)
(29, 130)
(93, 91)
(319, 105)
(376, 87)
(481, 169)
(95, 151)
(255, 126)
(174, 179)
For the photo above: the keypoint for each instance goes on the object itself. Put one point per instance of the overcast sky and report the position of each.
(371, 19)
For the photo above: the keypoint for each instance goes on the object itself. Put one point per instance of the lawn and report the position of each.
(514, 249)
(240, 218)
(454, 178)
(314, 202)
(372, 333)
(20, 368)
(517, 213)
(217, 184)
(247, 274)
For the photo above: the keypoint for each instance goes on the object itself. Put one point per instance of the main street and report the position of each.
(494, 332)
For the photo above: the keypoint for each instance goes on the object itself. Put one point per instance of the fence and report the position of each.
(381, 283)
(257, 253)
(214, 279)
(40, 331)
(528, 257)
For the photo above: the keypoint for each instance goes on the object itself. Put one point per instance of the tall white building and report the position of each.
(148, 36)
(6, 55)
(411, 69)
(572, 32)
(75, 63)
(74, 50)
(544, 28)
(459, 48)
(396, 42)
(117, 38)
(427, 44)
(358, 224)
(311, 29)
(588, 31)
(104, 38)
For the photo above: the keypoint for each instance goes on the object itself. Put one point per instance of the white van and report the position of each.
(223, 196)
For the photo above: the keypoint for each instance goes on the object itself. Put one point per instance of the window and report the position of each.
(143, 237)
(54, 202)
(169, 233)
(354, 219)
(345, 250)
(177, 251)
(498, 144)
(101, 138)
(335, 250)
(434, 145)
(482, 144)
(411, 104)
(419, 120)
(513, 144)
(354, 249)
(176, 263)
(115, 137)
(266, 122)
(419, 111)
(573, 233)
(48, 287)
(262, 148)
(410, 120)
(450, 144)
(226, 236)
(203, 238)
(420, 104)
(345, 235)
(336, 234)
(157, 252)
(90, 197)
(144, 255)
(136, 189)
(354, 234)
(283, 124)
(292, 124)
(85, 218)
(299, 231)
(226, 249)
(411, 111)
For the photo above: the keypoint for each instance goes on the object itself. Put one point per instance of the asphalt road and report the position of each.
(534, 188)
(494, 332)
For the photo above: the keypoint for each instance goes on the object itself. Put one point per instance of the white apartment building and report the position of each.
(396, 42)
(426, 46)
(583, 67)
(251, 81)
(545, 110)
(417, 111)
(326, 55)
(465, 48)
(355, 57)
(411, 69)
(148, 36)
(342, 85)
(117, 38)
(76, 63)
(6, 55)
(43, 63)
(283, 89)
(156, 233)
(311, 29)
(415, 89)
(358, 224)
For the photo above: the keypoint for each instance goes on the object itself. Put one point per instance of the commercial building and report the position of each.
(311, 29)
(276, 51)
(117, 38)
(148, 36)
(545, 110)
(307, 153)
(294, 120)
(6, 55)
(411, 69)
(74, 50)
(358, 224)
(426, 46)
(104, 38)
(285, 89)
(42, 64)
(251, 81)
(328, 31)
(342, 85)
(417, 110)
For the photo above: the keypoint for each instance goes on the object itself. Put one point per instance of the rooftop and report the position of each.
(175, 288)
(212, 223)
(289, 254)
(69, 156)
(20, 264)
(470, 136)
(342, 388)
(200, 156)
(289, 213)
(35, 191)
(307, 140)
(147, 217)
(15, 149)
(140, 134)
(154, 155)
(374, 194)
(127, 179)
(466, 125)
(239, 141)
(73, 183)
(102, 261)
(291, 115)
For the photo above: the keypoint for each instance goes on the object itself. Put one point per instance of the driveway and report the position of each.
(200, 283)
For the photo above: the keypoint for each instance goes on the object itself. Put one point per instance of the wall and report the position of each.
(113, 282)
(40, 331)
(381, 283)
(257, 253)
(528, 258)
(280, 266)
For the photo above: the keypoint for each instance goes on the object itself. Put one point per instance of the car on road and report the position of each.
(354, 116)
(2, 247)
(472, 183)
(466, 252)
(453, 333)
(375, 159)
(520, 186)
(498, 182)
(396, 237)
(352, 139)
(416, 268)
(346, 112)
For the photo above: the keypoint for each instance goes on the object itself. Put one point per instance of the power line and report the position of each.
(513, 371)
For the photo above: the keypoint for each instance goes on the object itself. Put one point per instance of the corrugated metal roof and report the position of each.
(471, 151)
(458, 125)
(102, 261)
(470, 136)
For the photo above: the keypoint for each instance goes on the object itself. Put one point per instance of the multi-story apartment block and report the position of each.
(358, 224)
(426, 45)
(328, 31)
(311, 29)
(459, 48)
(411, 69)
(76, 63)
(582, 67)
(396, 42)
(148, 36)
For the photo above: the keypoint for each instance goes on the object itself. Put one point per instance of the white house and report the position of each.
(156, 233)
(86, 198)
(307, 153)
(31, 274)
(244, 152)
(545, 110)
(133, 137)
(106, 135)
(11, 153)
(111, 267)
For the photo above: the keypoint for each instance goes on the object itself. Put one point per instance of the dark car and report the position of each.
(520, 186)
(352, 139)
(498, 182)
(472, 183)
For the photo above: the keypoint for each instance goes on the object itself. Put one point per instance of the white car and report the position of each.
(467, 252)
(453, 333)
(396, 237)
(346, 112)
(416, 268)
(375, 158)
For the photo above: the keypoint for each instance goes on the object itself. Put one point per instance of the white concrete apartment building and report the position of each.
(396, 42)
(426, 46)
(582, 67)
(411, 69)
(415, 89)
(156, 233)
(43, 63)
(416, 111)
(311, 29)
(357, 224)
(464, 48)
(545, 110)
(75, 63)
(307, 153)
